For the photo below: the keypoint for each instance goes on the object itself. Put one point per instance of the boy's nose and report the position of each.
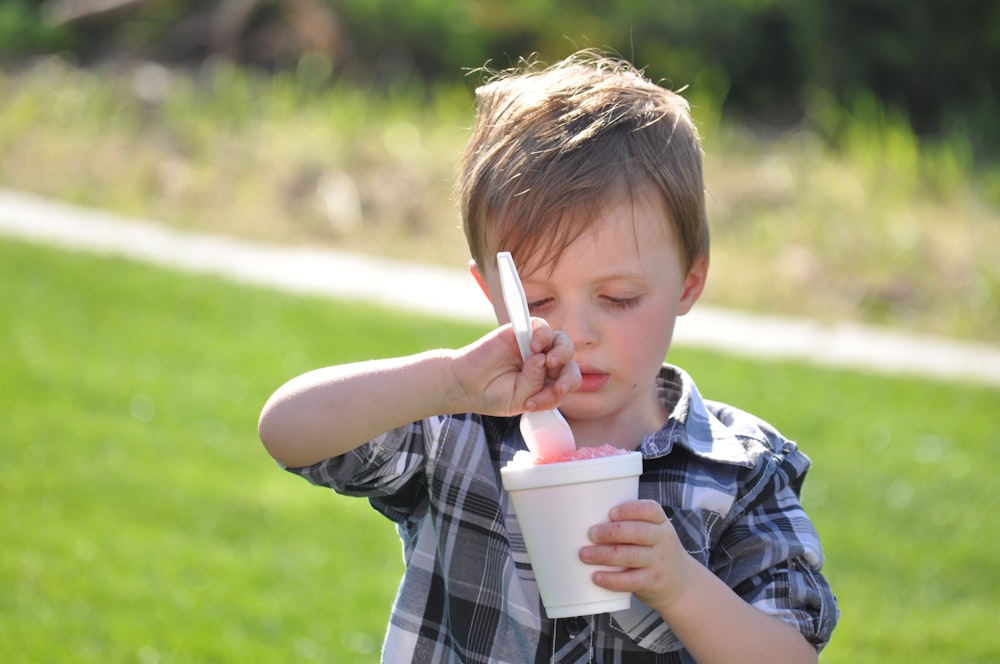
(579, 325)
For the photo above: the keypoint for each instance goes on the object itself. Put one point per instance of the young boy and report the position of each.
(590, 175)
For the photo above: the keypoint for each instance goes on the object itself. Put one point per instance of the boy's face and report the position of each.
(616, 291)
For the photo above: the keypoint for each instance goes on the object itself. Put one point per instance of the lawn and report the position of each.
(142, 520)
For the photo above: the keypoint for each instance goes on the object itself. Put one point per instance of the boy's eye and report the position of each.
(622, 302)
(534, 305)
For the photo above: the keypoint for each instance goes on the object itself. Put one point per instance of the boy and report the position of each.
(591, 176)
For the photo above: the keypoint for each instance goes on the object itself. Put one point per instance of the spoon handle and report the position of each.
(515, 302)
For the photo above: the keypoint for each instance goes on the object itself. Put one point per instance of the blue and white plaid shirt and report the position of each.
(728, 481)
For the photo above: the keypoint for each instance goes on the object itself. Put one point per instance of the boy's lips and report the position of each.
(593, 379)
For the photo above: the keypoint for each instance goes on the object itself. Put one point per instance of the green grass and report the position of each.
(142, 520)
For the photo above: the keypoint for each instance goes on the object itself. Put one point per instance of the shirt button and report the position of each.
(574, 626)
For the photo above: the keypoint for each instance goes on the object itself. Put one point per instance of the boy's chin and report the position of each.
(582, 407)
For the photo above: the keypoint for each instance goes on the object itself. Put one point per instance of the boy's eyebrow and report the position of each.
(600, 278)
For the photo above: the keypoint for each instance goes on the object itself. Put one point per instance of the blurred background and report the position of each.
(853, 173)
(852, 147)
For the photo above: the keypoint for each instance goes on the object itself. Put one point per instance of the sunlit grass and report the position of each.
(144, 522)
(142, 519)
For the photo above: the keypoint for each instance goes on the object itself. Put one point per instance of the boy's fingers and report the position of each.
(534, 371)
(549, 394)
(569, 378)
(638, 510)
(546, 340)
(545, 399)
(619, 555)
(547, 391)
(623, 532)
(629, 580)
(540, 332)
(560, 354)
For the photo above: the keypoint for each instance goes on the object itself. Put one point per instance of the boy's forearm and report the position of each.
(716, 625)
(330, 411)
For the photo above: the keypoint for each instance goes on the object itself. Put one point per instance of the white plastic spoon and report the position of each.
(545, 432)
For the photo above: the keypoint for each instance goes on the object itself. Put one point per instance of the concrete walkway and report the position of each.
(453, 294)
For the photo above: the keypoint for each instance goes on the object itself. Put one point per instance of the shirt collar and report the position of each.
(691, 425)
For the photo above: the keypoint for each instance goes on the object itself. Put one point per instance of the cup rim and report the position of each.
(571, 472)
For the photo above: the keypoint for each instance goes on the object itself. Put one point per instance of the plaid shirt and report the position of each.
(728, 481)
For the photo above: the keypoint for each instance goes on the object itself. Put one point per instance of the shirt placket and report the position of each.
(573, 640)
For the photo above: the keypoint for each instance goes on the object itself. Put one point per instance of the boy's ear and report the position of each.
(694, 284)
(480, 278)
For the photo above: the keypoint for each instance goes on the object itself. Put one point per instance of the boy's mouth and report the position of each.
(593, 379)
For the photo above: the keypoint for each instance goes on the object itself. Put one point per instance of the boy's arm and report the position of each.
(713, 622)
(710, 619)
(330, 411)
(717, 625)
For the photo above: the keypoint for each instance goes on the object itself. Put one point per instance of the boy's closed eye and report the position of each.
(622, 302)
(539, 306)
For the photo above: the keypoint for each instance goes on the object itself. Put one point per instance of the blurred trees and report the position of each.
(935, 61)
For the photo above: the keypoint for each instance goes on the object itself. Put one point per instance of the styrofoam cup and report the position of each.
(556, 504)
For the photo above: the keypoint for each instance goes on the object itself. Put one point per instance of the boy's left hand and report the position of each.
(640, 538)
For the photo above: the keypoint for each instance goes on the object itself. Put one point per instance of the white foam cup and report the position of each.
(556, 504)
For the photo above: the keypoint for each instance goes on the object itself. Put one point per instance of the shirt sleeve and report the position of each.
(389, 470)
(762, 545)
(769, 552)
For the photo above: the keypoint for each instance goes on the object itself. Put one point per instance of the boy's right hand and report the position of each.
(492, 379)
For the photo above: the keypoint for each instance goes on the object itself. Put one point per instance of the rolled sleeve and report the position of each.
(381, 466)
(770, 554)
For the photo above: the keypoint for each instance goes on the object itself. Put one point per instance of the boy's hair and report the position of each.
(552, 145)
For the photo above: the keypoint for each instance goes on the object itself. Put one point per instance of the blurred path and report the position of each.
(455, 295)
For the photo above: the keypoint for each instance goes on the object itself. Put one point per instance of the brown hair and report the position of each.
(552, 145)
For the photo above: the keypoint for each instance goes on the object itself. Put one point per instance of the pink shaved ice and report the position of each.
(605, 450)
(525, 459)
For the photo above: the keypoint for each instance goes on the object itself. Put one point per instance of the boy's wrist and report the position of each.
(688, 573)
(440, 389)
(458, 397)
